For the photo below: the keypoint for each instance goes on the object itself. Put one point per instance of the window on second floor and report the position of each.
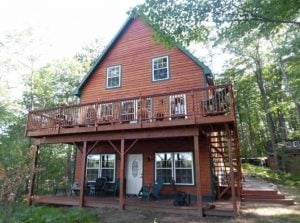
(160, 68)
(113, 77)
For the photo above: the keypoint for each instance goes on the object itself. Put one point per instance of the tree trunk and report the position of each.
(251, 133)
(259, 79)
(287, 85)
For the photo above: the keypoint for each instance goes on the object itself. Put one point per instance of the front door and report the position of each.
(134, 173)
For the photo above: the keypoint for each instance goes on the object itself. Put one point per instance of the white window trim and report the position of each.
(168, 68)
(99, 168)
(172, 165)
(174, 168)
(193, 180)
(120, 75)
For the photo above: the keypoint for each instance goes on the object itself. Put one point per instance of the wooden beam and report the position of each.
(232, 179)
(33, 173)
(83, 173)
(114, 147)
(122, 168)
(117, 135)
(130, 147)
(198, 171)
(78, 147)
(92, 148)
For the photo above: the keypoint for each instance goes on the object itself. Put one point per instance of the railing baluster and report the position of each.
(208, 101)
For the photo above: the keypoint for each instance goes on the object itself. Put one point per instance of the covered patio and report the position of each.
(218, 208)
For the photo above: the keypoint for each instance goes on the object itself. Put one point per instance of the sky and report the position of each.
(66, 26)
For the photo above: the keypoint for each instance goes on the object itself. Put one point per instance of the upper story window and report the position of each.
(160, 68)
(113, 77)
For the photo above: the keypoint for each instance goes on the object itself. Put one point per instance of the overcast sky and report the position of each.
(65, 26)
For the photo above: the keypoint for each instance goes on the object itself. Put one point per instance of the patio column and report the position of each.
(83, 173)
(32, 181)
(122, 167)
(198, 170)
(232, 178)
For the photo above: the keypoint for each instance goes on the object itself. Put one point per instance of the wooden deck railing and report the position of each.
(188, 104)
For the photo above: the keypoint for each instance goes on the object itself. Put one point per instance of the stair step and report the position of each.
(259, 192)
(263, 196)
(284, 201)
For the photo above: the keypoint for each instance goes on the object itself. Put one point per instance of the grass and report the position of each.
(48, 214)
(278, 177)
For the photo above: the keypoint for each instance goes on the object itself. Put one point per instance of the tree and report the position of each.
(190, 20)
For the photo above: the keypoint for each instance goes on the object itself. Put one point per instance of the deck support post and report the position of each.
(83, 173)
(122, 167)
(32, 181)
(232, 178)
(198, 170)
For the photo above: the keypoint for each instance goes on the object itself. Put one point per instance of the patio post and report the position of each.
(32, 181)
(198, 170)
(83, 173)
(122, 164)
(232, 178)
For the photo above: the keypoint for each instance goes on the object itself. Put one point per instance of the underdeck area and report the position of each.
(218, 208)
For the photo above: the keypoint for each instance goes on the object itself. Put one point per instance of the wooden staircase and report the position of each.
(225, 157)
(265, 196)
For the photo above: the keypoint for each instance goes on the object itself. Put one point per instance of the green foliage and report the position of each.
(44, 214)
(280, 177)
(191, 20)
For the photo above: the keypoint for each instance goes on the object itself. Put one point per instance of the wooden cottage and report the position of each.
(148, 114)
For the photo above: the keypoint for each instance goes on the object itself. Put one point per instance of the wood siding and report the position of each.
(134, 51)
(148, 148)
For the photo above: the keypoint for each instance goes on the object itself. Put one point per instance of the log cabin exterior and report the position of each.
(148, 113)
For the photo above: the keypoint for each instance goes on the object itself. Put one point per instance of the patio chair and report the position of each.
(181, 198)
(113, 190)
(75, 188)
(59, 188)
(100, 185)
(149, 192)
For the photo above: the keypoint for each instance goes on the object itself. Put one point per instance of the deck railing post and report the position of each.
(232, 178)
(198, 174)
(33, 174)
(122, 167)
(83, 174)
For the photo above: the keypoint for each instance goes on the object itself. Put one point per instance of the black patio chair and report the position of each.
(100, 185)
(113, 190)
(181, 198)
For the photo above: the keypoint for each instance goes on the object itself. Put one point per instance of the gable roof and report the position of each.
(77, 91)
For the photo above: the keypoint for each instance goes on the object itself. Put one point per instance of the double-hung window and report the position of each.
(160, 68)
(177, 166)
(113, 76)
(101, 165)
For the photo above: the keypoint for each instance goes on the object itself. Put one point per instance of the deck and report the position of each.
(200, 106)
(220, 208)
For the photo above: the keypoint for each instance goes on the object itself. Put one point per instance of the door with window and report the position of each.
(178, 106)
(134, 173)
(128, 110)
